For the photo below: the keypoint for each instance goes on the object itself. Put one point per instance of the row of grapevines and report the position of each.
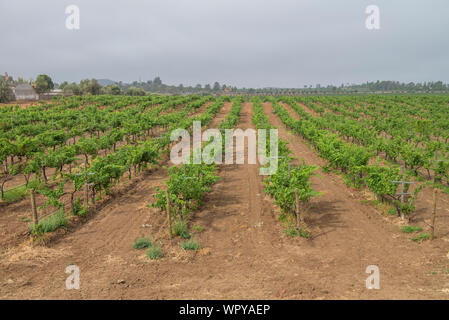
(351, 159)
(288, 182)
(187, 185)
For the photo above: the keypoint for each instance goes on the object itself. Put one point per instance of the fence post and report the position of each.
(434, 213)
(33, 208)
(297, 213)
(86, 187)
(93, 195)
(402, 193)
(434, 204)
(86, 194)
(168, 214)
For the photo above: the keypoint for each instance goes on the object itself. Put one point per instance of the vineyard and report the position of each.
(361, 180)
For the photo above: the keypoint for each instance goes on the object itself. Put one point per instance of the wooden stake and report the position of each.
(72, 202)
(434, 213)
(33, 208)
(93, 195)
(402, 193)
(86, 187)
(168, 214)
(434, 205)
(184, 208)
(297, 208)
(86, 194)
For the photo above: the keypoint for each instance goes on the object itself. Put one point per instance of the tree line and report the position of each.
(44, 83)
(139, 88)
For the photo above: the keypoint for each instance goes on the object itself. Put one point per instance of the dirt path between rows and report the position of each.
(245, 253)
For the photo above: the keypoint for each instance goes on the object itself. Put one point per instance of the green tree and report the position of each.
(6, 94)
(84, 85)
(90, 86)
(72, 88)
(63, 85)
(157, 81)
(94, 87)
(20, 80)
(133, 91)
(44, 83)
(112, 89)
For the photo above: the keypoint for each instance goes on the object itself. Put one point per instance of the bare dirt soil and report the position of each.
(245, 253)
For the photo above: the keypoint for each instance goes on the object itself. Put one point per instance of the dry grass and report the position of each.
(27, 254)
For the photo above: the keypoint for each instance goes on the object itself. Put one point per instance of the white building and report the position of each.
(24, 91)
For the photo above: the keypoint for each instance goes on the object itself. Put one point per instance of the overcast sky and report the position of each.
(247, 43)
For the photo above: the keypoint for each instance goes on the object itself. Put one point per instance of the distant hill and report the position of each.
(105, 82)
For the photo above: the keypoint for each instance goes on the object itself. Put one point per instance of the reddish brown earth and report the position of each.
(245, 253)
(21, 103)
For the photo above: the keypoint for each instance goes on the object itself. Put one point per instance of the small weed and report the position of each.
(79, 209)
(421, 237)
(291, 231)
(15, 194)
(142, 243)
(410, 229)
(25, 219)
(190, 245)
(198, 228)
(392, 212)
(155, 253)
(50, 223)
(304, 233)
(180, 229)
(350, 182)
(282, 217)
